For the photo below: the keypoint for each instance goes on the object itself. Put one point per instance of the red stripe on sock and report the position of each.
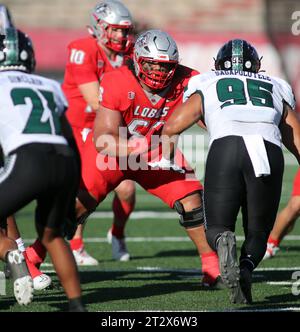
(273, 241)
(34, 272)
(122, 211)
(210, 264)
(76, 244)
(36, 253)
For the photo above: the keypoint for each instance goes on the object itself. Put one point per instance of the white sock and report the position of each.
(21, 244)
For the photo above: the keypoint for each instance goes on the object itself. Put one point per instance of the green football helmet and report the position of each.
(16, 51)
(238, 54)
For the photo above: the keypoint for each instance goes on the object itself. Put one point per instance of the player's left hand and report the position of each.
(167, 164)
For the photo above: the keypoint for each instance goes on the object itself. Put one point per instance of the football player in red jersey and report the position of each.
(139, 100)
(88, 59)
(285, 220)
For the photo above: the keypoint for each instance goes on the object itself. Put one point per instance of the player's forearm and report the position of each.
(293, 145)
(90, 93)
(116, 146)
(169, 136)
(169, 143)
(110, 144)
(290, 131)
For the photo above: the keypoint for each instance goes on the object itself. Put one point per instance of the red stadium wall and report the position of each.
(196, 50)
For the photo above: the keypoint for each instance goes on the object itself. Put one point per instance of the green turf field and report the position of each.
(164, 272)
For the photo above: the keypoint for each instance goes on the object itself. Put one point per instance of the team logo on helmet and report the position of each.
(143, 39)
(103, 9)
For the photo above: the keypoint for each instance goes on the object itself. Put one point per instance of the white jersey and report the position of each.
(241, 103)
(30, 107)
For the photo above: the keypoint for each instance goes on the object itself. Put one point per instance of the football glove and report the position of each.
(167, 164)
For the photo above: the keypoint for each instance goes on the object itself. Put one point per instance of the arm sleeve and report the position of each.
(193, 86)
(60, 99)
(287, 93)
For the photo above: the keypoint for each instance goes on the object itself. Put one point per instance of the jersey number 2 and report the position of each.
(42, 120)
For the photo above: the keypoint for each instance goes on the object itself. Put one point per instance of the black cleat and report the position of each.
(245, 282)
(76, 305)
(229, 268)
(78, 309)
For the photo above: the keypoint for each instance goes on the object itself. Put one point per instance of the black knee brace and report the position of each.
(189, 219)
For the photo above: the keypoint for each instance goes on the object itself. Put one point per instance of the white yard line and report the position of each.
(280, 283)
(138, 215)
(263, 310)
(168, 270)
(160, 239)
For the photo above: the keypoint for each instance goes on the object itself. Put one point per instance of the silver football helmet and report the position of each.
(156, 47)
(108, 15)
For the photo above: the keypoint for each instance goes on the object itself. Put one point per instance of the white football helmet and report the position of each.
(112, 14)
(155, 46)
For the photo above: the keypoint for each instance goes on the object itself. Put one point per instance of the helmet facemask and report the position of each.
(110, 36)
(156, 79)
(155, 58)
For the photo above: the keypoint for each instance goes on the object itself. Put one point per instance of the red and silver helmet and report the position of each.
(155, 46)
(112, 14)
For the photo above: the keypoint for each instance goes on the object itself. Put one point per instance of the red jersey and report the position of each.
(143, 113)
(87, 62)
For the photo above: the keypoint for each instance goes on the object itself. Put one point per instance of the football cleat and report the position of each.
(41, 282)
(82, 258)
(76, 305)
(210, 283)
(229, 268)
(22, 281)
(271, 251)
(245, 282)
(119, 249)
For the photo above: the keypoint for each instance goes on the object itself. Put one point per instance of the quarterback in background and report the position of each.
(89, 58)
